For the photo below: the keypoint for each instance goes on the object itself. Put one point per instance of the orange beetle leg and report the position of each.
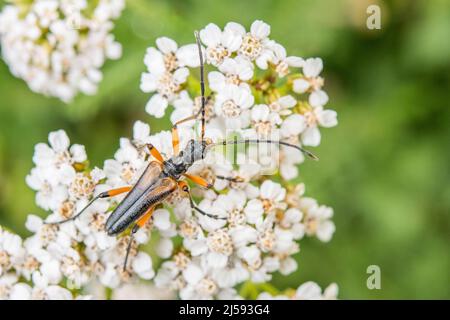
(116, 192)
(155, 153)
(175, 140)
(143, 220)
(199, 180)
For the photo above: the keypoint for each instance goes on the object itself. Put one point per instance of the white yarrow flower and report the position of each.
(57, 47)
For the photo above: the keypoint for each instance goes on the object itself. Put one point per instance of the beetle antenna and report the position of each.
(202, 83)
(258, 141)
(101, 195)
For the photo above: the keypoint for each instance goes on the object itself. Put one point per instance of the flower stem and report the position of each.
(251, 290)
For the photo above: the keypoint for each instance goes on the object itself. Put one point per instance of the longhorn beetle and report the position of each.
(163, 177)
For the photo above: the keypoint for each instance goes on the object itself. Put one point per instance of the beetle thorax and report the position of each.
(180, 163)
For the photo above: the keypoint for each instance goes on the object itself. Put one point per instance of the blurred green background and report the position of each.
(384, 169)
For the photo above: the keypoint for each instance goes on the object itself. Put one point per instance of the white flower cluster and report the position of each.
(13, 257)
(58, 46)
(264, 222)
(258, 238)
(79, 249)
(307, 291)
(260, 233)
(254, 224)
(246, 95)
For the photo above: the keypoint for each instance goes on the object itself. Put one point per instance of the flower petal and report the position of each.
(312, 67)
(311, 137)
(260, 29)
(156, 106)
(59, 140)
(211, 35)
(166, 45)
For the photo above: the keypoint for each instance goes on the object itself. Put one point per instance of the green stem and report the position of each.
(269, 288)
(251, 290)
(108, 293)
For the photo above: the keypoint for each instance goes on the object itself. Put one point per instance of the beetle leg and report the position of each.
(205, 184)
(193, 117)
(143, 220)
(139, 224)
(102, 195)
(175, 140)
(185, 188)
(114, 192)
(154, 152)
(175, 136)
(199, 180)
(133, 231)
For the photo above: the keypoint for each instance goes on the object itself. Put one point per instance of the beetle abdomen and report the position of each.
(123, 217)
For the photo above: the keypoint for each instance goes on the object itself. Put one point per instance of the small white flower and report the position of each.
(57, 48)
(317, 117)
(288, 266)
(317, 219)
(20, 291)
(193, 274)
(331, 292)
(220, 247)
(166, 73)
(57, 152)
(209, 223)
(283, 62)
(256, 44)
(243, 235)
(110, 277)
(272, 196)
(142, 265)
(47, 11)
(97, 174)
(50, 272)
(11, 251)
(141, 291)
(221, 44)
(230, 276)
(141, 133)
(312, 82)
(233, 103)
(54, 293)
(124, 169)
(292, 220)
(161, 219)
(48, 196)
(284, 240)
(254, 211)
(283, 104)
(164, 248)
(308, 291)
(235, 71)
(264, 121)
